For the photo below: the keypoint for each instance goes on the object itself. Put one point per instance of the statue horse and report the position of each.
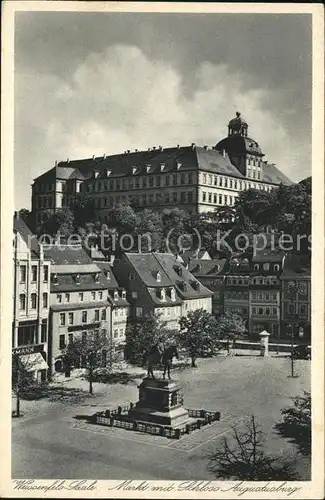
(153, 357)
(167, 359)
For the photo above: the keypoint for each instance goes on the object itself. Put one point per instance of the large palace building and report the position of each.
(197, 178)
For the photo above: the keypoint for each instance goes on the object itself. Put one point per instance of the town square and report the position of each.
(161, 281)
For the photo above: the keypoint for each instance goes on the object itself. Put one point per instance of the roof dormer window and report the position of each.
(163, 294)
(196, 285)
(77, 279)
(178, 270)
(131, 277)
(148, 168)
(97, 278)
(256, 267)
(266, 266)
(108, 173)
(134, 170)
(158, 277)
(162, 167)
(276, 267)
(55, 279)
(178, 164)
(173, 295)
(115, 295)
(108, 275)
(96, 174)
(123, 294)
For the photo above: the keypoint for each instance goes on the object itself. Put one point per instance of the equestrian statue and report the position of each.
(154, 357)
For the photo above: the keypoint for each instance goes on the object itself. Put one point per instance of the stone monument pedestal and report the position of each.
(160, 402)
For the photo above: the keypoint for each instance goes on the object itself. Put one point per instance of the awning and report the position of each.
(33, 362)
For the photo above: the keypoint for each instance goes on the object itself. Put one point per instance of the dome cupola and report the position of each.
(238, 126)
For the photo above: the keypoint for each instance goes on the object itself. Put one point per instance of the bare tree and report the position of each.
(246, 459)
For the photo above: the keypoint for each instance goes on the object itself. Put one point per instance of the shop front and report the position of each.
(32, 359)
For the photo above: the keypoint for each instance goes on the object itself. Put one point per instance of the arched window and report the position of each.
(33, 300)
(256, 267)
(22, 302)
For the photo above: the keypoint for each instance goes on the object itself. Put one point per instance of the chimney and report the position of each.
(149, 149)
(154, 147)
(68, 160)
(160, 148)
(193, 145)
(16, 215)
(178, 146)
(104, 156)
(56, 163)
(206, 147)
(136, 150)
(93, 157)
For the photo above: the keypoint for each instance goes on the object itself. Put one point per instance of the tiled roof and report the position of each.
(211, 160)
(207, 268)
(66, 254)
(270, 173)
(67, 283)
(112, 283)
(296, 265)
(27, 235)
(172, 274)
(171, 266)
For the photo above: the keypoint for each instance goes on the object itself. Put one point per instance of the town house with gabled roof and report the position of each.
(78, 298)
(31, 301)
(120, 307)
(158, 283)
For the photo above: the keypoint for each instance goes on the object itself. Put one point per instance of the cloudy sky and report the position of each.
(94, 83)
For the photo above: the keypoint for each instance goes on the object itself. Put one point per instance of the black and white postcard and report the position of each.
(162, 250)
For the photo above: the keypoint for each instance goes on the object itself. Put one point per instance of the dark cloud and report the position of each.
(262, 57)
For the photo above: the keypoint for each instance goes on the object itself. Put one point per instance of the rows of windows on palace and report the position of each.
(34, 273)
(68, 318)
(144, 182)
(33, 301)
(150, 182)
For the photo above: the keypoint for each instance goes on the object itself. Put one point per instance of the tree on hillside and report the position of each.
(146, 333)
(25, 215)
(230, 327)
(92, 350)
(296, 423)
(59, 223)
(148, 231)
(198, 333)
(243, 457)
(83, 209)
